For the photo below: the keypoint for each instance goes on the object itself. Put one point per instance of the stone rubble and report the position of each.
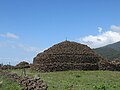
(26, 82)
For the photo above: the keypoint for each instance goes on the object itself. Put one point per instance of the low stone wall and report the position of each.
(109, 66)
(6, 67)
(26, 82)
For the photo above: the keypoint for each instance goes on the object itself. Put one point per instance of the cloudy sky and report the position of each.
(28, 27)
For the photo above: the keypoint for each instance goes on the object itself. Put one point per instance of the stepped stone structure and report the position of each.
(22, 64)
(66, 55)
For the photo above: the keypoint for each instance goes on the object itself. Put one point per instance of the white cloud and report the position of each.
(3, 44)
(105, 38)
(17, 52)
(9, 35)
(99, 29)
(19, 46)
(115, 28)
(5, 61)
(28, 48)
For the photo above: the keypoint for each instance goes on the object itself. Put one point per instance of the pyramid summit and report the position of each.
(66, 55)
(68, 47)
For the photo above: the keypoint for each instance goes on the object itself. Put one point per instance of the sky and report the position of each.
(28, 27)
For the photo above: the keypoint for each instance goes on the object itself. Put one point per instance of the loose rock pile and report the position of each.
(26, 82)
(66, 56)
(22, 64)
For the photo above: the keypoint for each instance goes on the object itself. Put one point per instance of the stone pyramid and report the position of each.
(66, 55)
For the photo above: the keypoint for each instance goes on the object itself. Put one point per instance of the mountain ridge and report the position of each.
(111, 51)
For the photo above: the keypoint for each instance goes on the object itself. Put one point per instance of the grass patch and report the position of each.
(79, 80)
(8, 84)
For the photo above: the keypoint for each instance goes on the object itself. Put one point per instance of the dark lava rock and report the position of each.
(22, 65)
(67, 56)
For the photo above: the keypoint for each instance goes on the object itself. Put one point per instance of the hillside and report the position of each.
(111, 51)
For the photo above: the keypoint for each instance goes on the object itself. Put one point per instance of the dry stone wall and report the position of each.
(109, 65)
(26, 82)
(6, 67)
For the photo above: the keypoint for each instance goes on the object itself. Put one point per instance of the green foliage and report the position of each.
(8, 84)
